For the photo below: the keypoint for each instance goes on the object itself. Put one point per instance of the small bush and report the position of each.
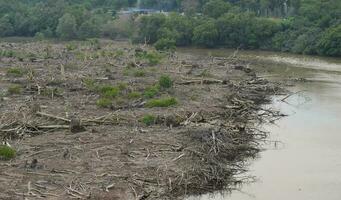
(153, 58)
(14, 89)
(126, 71)
(90, 84)
(15, 72)
(134, 95)
(148, 120)
(165, 44)
(71, 47)
(165, 102)
(104, 102)
(8, 54)
(165, 82)
(109, 91)
(122, 86)
(6, 153)
(152, 91)
(139, 73)
(94, 43)
(32, 57)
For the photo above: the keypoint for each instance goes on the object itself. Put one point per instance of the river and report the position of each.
(305, 163)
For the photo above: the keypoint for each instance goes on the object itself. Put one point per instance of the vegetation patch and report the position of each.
(139, 73)
(152, 57)
(6, 152)
(109, 91)
(104, 102)
(14, 89)
(151, 91)
(163, 102)
(90, 84)
(7, 53)
(165, 82)
(134, 95)
(148, 119)
(15, 72)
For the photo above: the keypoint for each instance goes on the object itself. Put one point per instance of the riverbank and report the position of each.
(307, 150)
(108, 120)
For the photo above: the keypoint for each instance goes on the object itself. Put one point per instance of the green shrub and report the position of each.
(153, 57)
(165, 82)
(94, 43)
(14, 89)
(126, 71)
(104, 102)
(90, 84)
(6, 153)
(164, 102)
(7, 53)
(139, 73)
(122, 86)
(165, 44)
(109, 91)
(134, 95)
(71, 47)
(32, 57)
(15, 71)
(148, 120)
(152, 91)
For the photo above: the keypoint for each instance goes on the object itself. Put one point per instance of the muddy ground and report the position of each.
(74, 139)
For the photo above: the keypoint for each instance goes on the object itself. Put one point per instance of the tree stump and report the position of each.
(75, 125)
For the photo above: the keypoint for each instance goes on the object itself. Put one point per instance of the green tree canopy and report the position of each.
(66, 28)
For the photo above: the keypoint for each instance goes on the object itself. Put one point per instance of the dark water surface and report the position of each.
(306, 163)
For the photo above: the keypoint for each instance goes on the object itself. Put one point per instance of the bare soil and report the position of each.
(69, 147)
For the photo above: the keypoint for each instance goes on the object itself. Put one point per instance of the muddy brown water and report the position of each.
(305, 163)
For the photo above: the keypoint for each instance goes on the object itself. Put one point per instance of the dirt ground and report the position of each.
(69, 145)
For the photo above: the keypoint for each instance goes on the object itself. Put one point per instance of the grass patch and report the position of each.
(139, 73)
(104, 102)
(122, 86)
(15, 72)
(90, 84)
(152, 91)
(7, 53)
(153, 57)
(109, 91)
(164, 102)
(71, 46)
(6, 153)
(148, 119)
(134, 95)
(134, 72)
(165, 82)
(14, 89)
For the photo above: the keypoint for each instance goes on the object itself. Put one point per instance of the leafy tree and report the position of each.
(6, 26)
(165, 44)
(89, 29)
(206, 34)
(149, 25)
(66, 28)
(216, 8)
(330, 43)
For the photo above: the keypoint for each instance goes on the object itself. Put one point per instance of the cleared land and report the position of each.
(109, 120)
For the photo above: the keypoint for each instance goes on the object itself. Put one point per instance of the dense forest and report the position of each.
(299, 26)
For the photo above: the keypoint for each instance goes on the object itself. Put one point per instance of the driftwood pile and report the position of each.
(198, 146)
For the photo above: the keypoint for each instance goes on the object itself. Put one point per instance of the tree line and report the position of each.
(299, 26)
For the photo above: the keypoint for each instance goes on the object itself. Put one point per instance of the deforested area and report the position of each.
(99, 119)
